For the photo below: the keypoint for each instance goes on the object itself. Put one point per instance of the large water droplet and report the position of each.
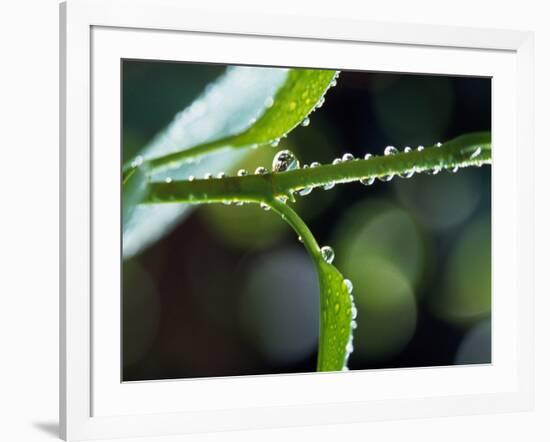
(285, 160)
(315, 164)
(348, 157)
(260, 171)
(327, 254)
(390, 150)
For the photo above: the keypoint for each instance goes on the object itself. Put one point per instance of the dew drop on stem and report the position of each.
(242, 172)
(305, 122)
(327, 254)
(260, 171)
(285, 160)
(348, 157)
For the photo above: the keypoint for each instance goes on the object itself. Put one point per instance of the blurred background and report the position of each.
(231, 291)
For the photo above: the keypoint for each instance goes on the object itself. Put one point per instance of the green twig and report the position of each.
(464, 151)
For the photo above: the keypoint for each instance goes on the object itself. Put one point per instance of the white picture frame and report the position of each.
(94, 403)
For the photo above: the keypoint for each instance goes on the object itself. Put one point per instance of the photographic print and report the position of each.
(288, 220)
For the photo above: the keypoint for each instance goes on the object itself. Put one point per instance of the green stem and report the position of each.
(294, 220)
(466, 150)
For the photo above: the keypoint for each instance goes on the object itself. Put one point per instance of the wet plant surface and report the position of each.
(231, 159)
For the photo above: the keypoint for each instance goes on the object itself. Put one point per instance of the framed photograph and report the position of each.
(285, 221)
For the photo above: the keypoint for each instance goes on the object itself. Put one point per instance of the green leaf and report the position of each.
(298, 96)
(337, 308)
(236, 111)
(337, 311)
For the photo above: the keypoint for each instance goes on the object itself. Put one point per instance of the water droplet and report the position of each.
(333, 83)
(337, 161)
(300, 239)
(408, 174)
(367, 156)
(269, 101)
(454, 169)
(305, 122)
(475, 153)
(137, 161)
(353, 312)
(305, 191)
(285, 160)
(353, 325)
(320, 102)
(265, 206)
(329, 186)
(349, 285)
(207, 176)
(260, 171)
(305, 166)
(242, 172)
(420, 148)
(221, 175)
(407, 149)
(386, 178)
(367, 181)
(168, 180)
(191, 178)
(327, 254)
(275, 142)
(434, 171)
(438, 144)
(315, 164)
(390, 150)
(348, 157)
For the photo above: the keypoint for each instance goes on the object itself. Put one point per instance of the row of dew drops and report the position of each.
(285, 160)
